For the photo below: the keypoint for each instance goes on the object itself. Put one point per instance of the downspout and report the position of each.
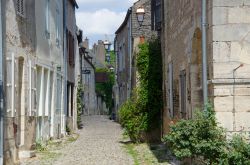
(130, 54)
(204, 52)
(65, 64)
(1, 86)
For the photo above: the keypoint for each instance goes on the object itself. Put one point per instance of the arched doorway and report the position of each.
(196, 72)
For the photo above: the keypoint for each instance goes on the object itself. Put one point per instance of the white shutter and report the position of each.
(32, 89)
(11, 86)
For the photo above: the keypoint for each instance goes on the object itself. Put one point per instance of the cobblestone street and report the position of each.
(98, 144)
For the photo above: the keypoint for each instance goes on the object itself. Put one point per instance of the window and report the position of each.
(47, 19)
(58, 26)
(156, 14)
(170, 90)
(71, 48)
(20, 7)
(11, 86)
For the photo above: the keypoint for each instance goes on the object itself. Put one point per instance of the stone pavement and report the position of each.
(99, 143)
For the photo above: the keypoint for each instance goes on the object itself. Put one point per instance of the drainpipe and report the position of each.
(204, 52)
(1, 87)
(65, 64)
(130, 54)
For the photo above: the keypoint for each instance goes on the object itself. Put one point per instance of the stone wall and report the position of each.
(145, 28)
(181, 36)
(230, 48)
(90, 101)
(123, 59)
(19, 48)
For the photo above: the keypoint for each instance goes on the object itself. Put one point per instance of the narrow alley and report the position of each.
(124, 82)
(99, 142)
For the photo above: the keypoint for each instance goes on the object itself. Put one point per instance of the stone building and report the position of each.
(19, 53)
(128, 36)
(72, 55)
(88, 80)
(34, 72)
(99, 52)
(49, 68)
(228, 61)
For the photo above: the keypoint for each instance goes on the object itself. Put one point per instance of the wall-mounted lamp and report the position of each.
(140, 13)
(107, 45)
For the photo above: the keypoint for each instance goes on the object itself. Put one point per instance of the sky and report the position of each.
(99, 19)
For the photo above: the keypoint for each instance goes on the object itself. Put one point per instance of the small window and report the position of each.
(20, 7)
(47, 19)
(57, 27)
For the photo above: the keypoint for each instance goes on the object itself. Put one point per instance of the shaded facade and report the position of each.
(228, 63)
(128, 36)
(34, 71)
(72, 55)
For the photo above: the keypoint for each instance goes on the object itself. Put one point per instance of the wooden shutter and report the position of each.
(183, 94)
(170, 90)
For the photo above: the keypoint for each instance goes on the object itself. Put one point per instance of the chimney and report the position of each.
(86, 43)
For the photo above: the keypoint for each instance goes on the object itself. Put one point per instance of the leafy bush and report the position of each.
(237, 152)
(198, 137)
(132, 120)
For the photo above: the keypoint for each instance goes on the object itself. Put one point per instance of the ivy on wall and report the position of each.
(144, 108)
(79, 104)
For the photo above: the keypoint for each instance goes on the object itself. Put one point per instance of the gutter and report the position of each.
(130, 55)
(204, 52)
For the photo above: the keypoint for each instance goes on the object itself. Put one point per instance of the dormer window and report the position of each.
(20, 7)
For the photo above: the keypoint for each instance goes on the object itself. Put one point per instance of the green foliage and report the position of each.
(40, 146)
(149, 65)
(132, 120)
(142, 113)
(79, 104)
(237, 152)
(198, 137)
(105, 89)
(112, 58)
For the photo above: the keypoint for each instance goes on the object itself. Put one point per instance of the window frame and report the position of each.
(47, 19)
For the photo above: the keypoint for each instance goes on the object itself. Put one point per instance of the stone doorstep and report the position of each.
(26, 154)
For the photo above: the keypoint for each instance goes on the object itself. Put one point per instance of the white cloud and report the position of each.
(102, 21)
(109, 4)
(129, 2)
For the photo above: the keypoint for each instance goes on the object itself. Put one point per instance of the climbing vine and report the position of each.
(144, 108)
(79, 104)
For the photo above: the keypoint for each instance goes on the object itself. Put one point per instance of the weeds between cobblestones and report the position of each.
(147, 154)
(47, 153)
